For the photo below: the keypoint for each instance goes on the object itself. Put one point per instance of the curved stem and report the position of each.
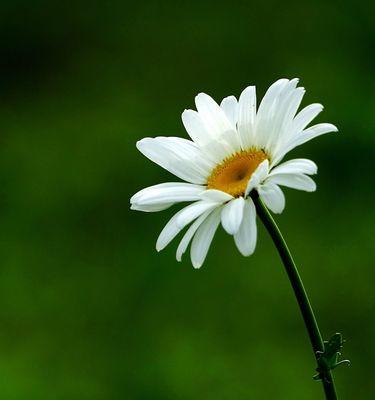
(299, 290)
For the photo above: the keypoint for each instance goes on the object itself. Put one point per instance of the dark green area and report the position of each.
(88, 309)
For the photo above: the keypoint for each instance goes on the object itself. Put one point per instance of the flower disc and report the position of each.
(233, 174)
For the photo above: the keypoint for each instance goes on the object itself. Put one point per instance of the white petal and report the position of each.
(266, 112)
(189, 235)
(195, 127)
(315, 131)
(294, 181)
(246, 117)
(181, 157)
(257, 177)
(284, 109)
(231, 215)
(203, 238)
(311, 133)
(192, 212)
(292, 103)
(271, 95)
(217, 150)
(216, 196)
(179, 221)
(246, 236)
(151, 208)
(212, 115)
(272, 196)
(296, 166)
(230, 106)
(303, 137)
(282, 124)
(305, 116)
(167, 193)
(217, 123)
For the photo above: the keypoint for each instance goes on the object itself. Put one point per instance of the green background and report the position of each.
(88, 309)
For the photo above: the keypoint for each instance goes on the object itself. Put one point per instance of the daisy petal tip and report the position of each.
(248, 89)
(231, 230)
(140, 143)
(228, 99)
(312, 189)
(277, 209)
(159, 247)
(313, 170)
(247, 253)
(281, 81)
(201, 96)
(185, 113)
(332, 128)
(133, 201)
(196, 265)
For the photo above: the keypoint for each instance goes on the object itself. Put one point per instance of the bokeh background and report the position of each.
(88, 309)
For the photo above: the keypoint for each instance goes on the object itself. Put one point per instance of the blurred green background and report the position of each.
(88, 309)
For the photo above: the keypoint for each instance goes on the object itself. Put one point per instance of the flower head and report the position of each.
(235, 149)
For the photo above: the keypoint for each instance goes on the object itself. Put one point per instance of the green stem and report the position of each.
(299, 290)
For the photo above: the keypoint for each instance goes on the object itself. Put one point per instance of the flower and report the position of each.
(235, 149)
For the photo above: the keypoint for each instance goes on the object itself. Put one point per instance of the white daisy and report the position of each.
(234, 150)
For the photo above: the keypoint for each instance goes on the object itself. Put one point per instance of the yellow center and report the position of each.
(233, 174)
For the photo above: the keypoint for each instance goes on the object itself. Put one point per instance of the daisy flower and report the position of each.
(235, 149)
